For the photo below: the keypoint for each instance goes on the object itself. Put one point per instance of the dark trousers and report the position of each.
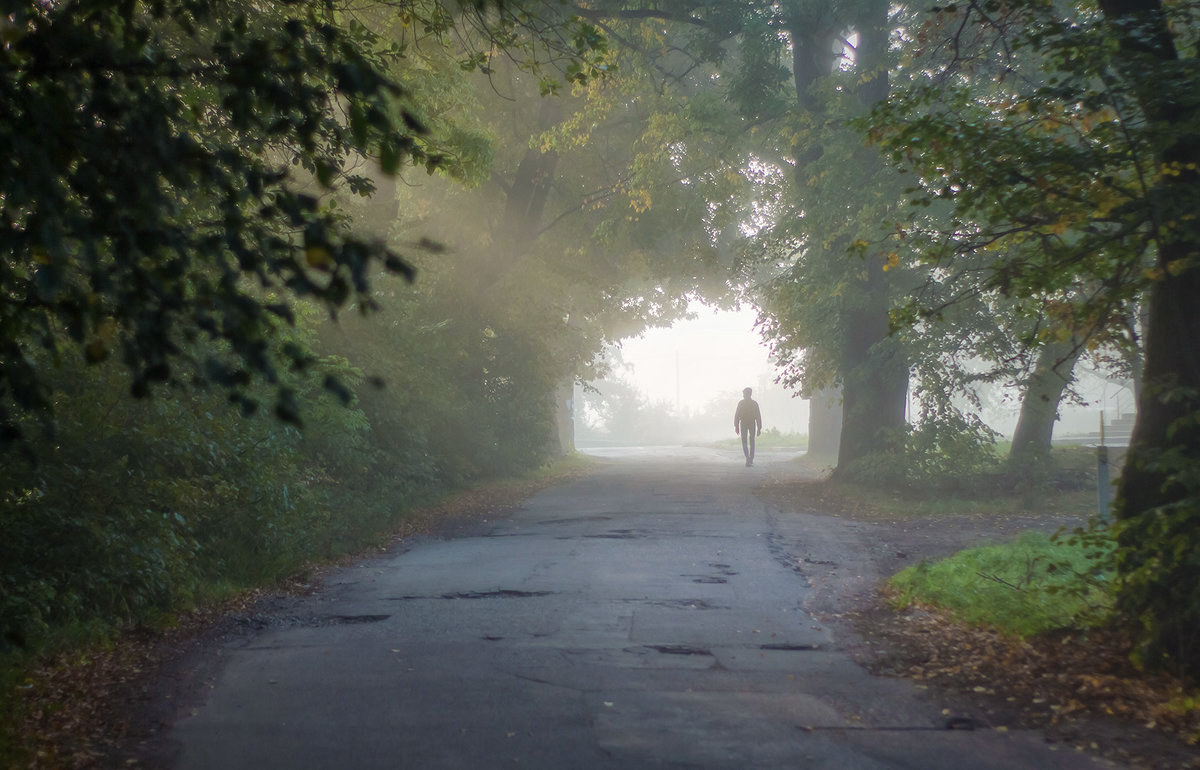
(748, 443)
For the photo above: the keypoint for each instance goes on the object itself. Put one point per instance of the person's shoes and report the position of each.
(748, 463)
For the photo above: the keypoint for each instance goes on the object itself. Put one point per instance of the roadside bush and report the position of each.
(472, 396)
(125, 507)
(947, 450)
(130, 508)
(64, 564)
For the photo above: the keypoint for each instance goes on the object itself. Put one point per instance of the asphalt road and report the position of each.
(653, 614)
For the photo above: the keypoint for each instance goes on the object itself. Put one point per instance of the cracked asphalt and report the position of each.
(653, 614)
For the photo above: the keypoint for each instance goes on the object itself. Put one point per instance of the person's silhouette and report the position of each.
(747, 421)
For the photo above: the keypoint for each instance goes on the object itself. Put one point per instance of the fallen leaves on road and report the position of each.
(83, 709)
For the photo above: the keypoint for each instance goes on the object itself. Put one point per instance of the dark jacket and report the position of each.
(747, 416)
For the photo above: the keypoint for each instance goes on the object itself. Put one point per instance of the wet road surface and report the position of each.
(653, 614)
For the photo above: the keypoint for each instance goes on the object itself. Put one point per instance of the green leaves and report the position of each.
(151, 167)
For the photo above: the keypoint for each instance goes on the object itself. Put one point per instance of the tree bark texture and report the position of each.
(1170, 388)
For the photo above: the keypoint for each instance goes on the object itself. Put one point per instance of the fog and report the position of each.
(680, 384)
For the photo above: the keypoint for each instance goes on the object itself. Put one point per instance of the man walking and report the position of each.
(747, 420)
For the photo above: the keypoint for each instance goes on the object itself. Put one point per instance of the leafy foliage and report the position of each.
(179, 210)
(138, 507)
(157, 158)
(1072, 174)
(946, 450)
(1159, 564)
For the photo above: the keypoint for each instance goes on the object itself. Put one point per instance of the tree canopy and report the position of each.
(165, 167)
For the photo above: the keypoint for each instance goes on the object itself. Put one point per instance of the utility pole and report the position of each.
(678, 410)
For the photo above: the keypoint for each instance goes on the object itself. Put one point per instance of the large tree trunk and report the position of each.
(1167, 410)
(526, 195)
(1043, 392)
(874, 377)
(874, 371)
(1158, 504)
(513, 236)
(825, 422)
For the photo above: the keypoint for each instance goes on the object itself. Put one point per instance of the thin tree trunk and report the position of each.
(1044, 389)
(565, 414)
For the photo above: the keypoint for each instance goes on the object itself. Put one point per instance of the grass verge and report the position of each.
(1032, 585)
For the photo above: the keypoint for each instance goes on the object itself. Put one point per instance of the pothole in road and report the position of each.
(685, 604)
(261, 621)
(501, 594)
(687, 499)
(954, 723)
(610, 536)
(677, 649)
(578, 520)
(790, 647)
(344, 620)
(504, 593)
(707, 579)
(619, 534)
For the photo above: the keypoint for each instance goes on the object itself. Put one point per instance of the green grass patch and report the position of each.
(1032, 585)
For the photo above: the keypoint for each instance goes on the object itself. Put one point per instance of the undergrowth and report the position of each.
(1065, 485)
